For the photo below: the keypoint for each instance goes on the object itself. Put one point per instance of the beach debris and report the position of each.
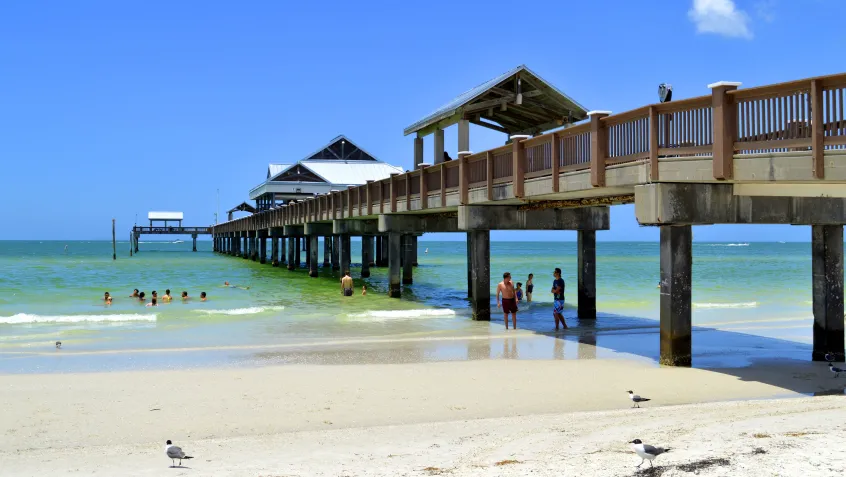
(834, 369)
(636, 400)
(646, 451)
(155, 409)
(58, 345)
(698, 465)
(174, 453)
(507, 462)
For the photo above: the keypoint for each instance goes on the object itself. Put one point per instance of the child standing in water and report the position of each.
(529, 287)
(519, 292)
(363, 290)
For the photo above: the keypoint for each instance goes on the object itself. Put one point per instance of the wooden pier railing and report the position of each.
(769, 119)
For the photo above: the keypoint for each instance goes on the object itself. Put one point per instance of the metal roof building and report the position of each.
(336, 166)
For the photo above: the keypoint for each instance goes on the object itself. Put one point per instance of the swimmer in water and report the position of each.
(106, 296)
(202, 296)
(153, 302)
(134, 294)
(347, 284)
(141, 297)
(108, 300)
(167, 298)
(184, 295)
(363, 290)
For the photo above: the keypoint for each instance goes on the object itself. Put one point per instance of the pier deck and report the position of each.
(768, 155)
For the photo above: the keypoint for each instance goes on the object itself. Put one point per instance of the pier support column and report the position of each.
(378, 249)
(408, 259)
(194, 242)
(327, 251)
(344, 255)
(292, 254)
(245, 252)
(587, 274)
(827, 268)
(414, 250)
(366, 258)
(283, 250)
(298, 252)
(274, 249)
(307, 250)
(254, 246)
(336, 251)
(262, 249)
(313, 248)
(676, 277)
(137, 236)
(394, 249)
(480, 258)
(385, 252)
(469, 265)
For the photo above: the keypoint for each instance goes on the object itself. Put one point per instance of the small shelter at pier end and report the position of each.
(338, 165)
(162, 218)
(242, 207)
(517, 103)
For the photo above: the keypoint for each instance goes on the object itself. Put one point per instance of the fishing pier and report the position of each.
(773, 154)
(161, 223)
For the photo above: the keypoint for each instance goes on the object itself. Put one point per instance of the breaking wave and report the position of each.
(749, 304)
(381, 315)
(25, 318)
(253, 310)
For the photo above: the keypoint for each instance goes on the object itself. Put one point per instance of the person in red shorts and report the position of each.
(509, 300)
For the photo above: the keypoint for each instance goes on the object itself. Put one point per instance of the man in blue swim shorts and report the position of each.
(558, 298)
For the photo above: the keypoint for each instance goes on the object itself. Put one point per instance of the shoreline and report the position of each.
(551, 417)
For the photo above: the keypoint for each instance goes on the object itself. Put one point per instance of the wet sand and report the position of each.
(64, 418)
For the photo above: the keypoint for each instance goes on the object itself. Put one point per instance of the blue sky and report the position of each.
(110, 109)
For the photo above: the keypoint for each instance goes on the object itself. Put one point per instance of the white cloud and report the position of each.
(720, 17)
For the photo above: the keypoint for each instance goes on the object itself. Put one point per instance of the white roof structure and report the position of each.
(164, 216)
(337, 165)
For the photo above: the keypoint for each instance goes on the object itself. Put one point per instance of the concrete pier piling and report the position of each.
(245, 250)
(676, 256)
(274, 247)
(262, 248)
(345, 253)
(408, 259)
(394, 258)
(193, 242)
(587, 274)
(469, 265)
(298, 251)
(479, 244)
(292, 256)
(336, 252)
(283, 250)
(366, 258)
(378, 247)
(827, 269)
(327, 251)
(372, 248)
(385, 253)
(313, 249)
(414, 250)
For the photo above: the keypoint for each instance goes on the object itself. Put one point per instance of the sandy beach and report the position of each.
(459, 418)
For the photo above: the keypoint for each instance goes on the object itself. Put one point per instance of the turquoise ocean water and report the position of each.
(748, 298)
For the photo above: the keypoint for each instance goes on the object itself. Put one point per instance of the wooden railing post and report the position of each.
(556, 165)
(463, 177)
(393, 200)
(817, 130)
(653, 143)
(408, 192)
(443, 184)
(598, 147)
(382, 195)
(349, 204)
(424, 190)
(369, 198)
(489, 164)
(518, 169)
(725, 128)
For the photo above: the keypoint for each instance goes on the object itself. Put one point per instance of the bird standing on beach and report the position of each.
(834, 369)
(646, 451)
(637, 399)
(175, 452)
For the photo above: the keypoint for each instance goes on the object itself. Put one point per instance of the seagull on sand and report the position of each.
(646, 451)
(636, 399)
(175, 452)
(834, 369)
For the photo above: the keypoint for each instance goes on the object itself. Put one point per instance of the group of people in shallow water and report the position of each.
(507, 297)
(154, 301)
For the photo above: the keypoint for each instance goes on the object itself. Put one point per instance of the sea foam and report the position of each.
(25, 318)
(242, 311)
(390, 314)
(748, 304)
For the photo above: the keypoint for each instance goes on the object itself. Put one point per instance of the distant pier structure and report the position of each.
(165, 223)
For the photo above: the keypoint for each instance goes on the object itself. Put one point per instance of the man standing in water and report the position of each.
(347, 284)
(558, 299)
(509, 301)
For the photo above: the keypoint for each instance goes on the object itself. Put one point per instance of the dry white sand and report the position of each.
(460, 418)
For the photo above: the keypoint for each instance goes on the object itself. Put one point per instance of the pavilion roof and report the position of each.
(496, 104)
